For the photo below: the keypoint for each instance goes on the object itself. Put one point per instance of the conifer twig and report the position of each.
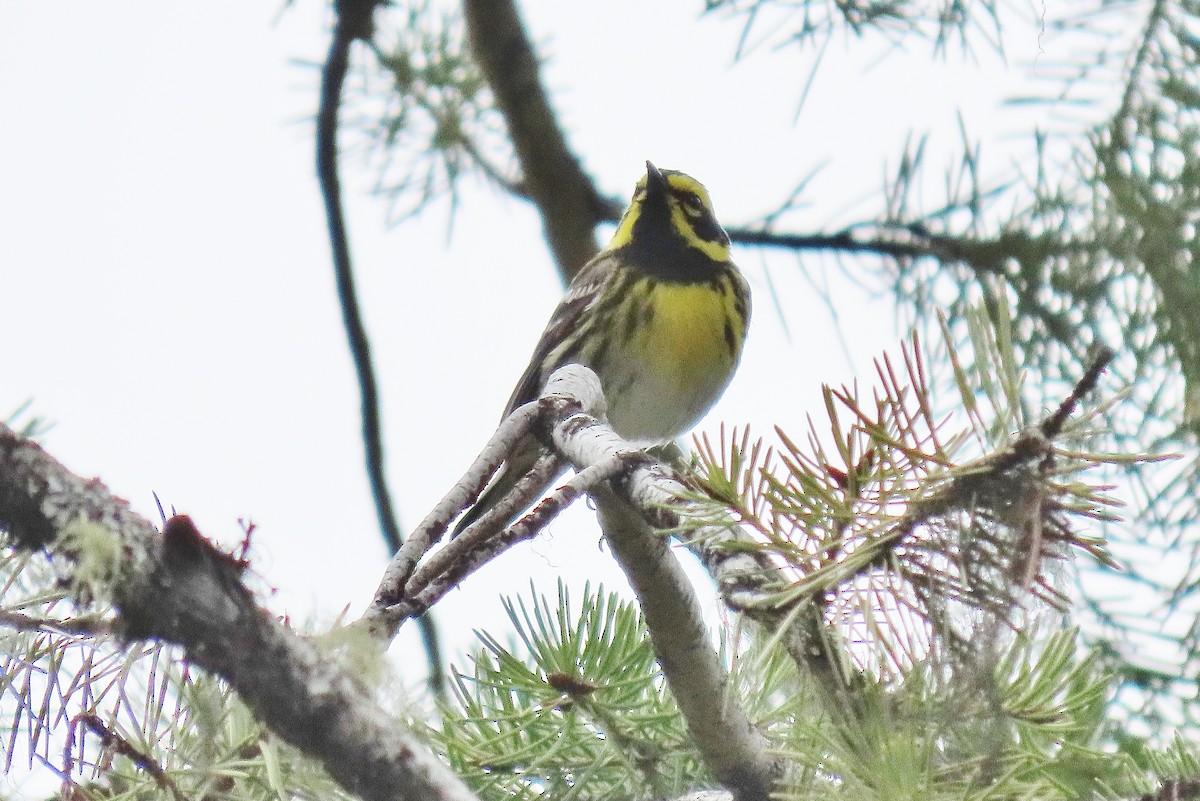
(735, 751)
(744, 575)
(114, 742)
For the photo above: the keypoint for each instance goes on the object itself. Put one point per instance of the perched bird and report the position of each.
(659, 315)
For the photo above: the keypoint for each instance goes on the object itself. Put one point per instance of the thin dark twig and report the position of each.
(1052, 425)
(354, 22)
(897, 240)
(83, 626)
(115, 743)
(333, 76)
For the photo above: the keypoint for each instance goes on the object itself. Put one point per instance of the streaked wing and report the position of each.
(581, 295)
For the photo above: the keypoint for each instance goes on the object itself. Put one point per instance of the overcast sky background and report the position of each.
(168, 300)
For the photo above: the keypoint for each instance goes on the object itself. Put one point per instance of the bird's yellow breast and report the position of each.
(678, 360)
(686, 331)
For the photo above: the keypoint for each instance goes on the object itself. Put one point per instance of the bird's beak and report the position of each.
(656, 183)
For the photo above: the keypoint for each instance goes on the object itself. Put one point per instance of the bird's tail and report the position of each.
(515, 468)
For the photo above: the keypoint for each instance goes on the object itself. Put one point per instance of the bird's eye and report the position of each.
(692, 201)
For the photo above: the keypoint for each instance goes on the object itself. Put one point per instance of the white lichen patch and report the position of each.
(357, 652)
(97, 555)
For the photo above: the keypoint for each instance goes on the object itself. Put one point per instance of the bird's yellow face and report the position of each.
(671, 228)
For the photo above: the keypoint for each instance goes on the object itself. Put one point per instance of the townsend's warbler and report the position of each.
(659, 315)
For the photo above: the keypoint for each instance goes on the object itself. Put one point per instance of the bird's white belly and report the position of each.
(657, 407)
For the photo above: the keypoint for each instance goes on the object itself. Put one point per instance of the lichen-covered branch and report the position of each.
(733, 749)
(175, 587)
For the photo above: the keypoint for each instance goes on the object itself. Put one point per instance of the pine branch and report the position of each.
(735, 752)
(908, 240)
(743, 573)
(391, 588)
(405, 592)
(987, 256)
(176, 587)
(530, 716)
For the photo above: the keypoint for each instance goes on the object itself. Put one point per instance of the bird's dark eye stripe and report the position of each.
(709, 229)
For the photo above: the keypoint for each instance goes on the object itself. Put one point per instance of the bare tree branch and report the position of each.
(177, 588)
(353, 22)
(433, 527)
(404, 591)
(396, 602)
(553, 178)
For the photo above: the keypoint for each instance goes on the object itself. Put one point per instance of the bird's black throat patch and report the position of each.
(658, 249)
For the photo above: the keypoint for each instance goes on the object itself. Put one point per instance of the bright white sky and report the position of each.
(168, 300)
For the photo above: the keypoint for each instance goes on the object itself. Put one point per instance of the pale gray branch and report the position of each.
(744, 575)
(734, 750)
(461, 549)
(380, 618)
(407, 590)
(647, 497)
